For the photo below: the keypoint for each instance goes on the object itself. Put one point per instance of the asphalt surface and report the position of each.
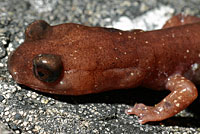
(23, 110)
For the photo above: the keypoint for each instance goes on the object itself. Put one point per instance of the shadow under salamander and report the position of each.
(130, 97)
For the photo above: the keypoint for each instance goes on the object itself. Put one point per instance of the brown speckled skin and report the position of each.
(100, 59)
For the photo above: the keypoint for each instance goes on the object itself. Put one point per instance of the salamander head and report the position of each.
(39, 62)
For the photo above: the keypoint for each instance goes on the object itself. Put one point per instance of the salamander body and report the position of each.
(73, 59)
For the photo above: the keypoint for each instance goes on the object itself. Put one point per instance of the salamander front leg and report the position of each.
(183, 93)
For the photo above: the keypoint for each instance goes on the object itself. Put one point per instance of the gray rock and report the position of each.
(25, 111)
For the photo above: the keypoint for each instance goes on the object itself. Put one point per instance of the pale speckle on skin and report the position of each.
(164, 100)
(163, 44)
(182, 80)
(44, 61)
(61, 82)
(129, 110)
(180, 85)
(183, 90)
(75, 51)
(178, 104)
(160, 109)
(146, 42)
(134, 38)
(116, 58)
(180, 97)
(157, 112)
(132, 74)
(173, 35)
(69, 72)
(15, 73)
(178, 82)
(129, 37)
(120, 33)
(74, 58)
(175, 101)
(141, 114)
(185, 57)
(125, 53)
(195, 66)
(172, 95)
(187, 50)
(188, 89)
(199, 55)
(71, 55)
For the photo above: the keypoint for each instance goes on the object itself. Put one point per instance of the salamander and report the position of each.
(73, 59)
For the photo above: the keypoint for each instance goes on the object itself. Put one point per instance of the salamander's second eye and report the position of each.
(47, 67)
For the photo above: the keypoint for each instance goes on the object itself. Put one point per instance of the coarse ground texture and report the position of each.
(23, 110)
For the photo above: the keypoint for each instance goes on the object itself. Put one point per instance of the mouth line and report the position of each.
(41, 90)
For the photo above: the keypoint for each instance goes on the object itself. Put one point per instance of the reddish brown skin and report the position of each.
(99, 59)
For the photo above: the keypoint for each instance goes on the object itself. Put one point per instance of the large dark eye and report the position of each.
(47, 67)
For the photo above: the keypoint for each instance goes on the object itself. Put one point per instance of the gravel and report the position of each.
(24, 111)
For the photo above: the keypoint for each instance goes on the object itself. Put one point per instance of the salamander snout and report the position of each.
(11, 66)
